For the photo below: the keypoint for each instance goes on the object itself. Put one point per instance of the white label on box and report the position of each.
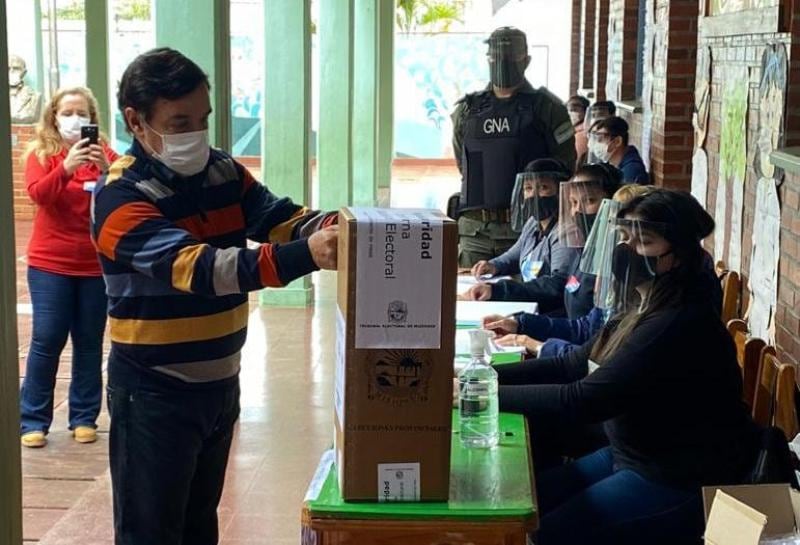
(398, 278)
(320, 476)
(398, 482)
(338, 390)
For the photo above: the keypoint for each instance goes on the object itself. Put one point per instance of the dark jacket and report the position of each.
(670, 398)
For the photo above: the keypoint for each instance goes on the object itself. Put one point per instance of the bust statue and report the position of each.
(24, 100)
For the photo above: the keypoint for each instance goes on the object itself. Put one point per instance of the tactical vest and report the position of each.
(501, 136)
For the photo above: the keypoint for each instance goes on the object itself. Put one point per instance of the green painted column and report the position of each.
(365, 97)
(201, 30)
(334, 157)
(287, 119)
(97, 57)
(25, 39)
(373, 96)
(385, 135)
(10, 466)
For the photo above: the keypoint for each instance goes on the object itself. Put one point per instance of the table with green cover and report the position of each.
(490, 490)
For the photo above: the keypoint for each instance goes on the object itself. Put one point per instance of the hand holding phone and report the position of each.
(91, 132)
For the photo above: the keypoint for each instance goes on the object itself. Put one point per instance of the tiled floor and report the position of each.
(285, 425)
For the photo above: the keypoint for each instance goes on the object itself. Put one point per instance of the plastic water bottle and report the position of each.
(478, 397)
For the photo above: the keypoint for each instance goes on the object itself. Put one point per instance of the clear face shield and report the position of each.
(579, 204)
(535, 196)
(508, 59)
(626, 257)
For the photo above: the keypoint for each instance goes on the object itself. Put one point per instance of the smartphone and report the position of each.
(90, 132)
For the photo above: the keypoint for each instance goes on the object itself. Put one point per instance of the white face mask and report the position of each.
(70, 126)
(575, 117)
(186, 153)
(600, 150)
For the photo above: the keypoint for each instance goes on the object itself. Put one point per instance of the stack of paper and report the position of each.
(470, 314)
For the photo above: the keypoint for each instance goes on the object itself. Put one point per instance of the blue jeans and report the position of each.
(64, 306)
(589, 501)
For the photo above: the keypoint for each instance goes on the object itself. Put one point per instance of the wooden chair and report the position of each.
(731, 286)
(748, 353)
(776, 385)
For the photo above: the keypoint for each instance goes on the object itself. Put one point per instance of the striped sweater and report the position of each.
(177, 267)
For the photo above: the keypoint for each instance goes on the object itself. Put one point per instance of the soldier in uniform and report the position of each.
(496, 132)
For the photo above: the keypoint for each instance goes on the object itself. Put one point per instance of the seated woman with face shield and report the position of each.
(567, 290)
(547, 336)
(534, 214)
(662, 377)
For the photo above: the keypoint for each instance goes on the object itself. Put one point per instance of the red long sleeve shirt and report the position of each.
(60, 242)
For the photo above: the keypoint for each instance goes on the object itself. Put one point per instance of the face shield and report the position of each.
(625, 256)
(508, 59)
(535, 196)
(579, 204)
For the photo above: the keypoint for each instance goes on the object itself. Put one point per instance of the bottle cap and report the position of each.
(477, 342)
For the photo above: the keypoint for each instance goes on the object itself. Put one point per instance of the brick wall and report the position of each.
(588, 11)
(672, 137)
(787, 316)
(575, 51)
(745, 51)
(600, 48)
(20, 136)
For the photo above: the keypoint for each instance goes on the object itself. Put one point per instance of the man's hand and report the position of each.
(483, 267)
(479, 292)
(324, 247)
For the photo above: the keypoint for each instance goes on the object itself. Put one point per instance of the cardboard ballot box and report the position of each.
(748, 514)
(395, 348)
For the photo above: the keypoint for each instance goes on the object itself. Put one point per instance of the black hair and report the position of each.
(615, 126)
(584, 102)
(161, 73)
(687, 223)
(605, 105)
(686, 220)
(550, 165)
(609, 176)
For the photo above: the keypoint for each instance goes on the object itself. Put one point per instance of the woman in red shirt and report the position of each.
(66, 285)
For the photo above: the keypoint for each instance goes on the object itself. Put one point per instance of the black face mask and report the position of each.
(585, 223)
(629, 266)
(540, 208)
(506, 73)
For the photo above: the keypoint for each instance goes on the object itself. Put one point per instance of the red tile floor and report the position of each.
(285, 424)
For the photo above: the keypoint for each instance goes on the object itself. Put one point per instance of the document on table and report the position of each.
(470, 314)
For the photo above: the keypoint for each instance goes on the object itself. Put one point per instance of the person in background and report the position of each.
(171, 223)
(576, 108)
(545, 336)
(674, 417)
(579, 201)
(64, 278)
(599, 110)
(608, 141)
(496, 133)
(534, 214)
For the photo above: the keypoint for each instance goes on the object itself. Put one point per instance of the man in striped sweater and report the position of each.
(170, 221)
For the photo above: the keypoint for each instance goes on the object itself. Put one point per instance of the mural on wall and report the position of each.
(764, 264)
(614, 72)
(433, 71)
(763, 281)
(721, 7)
(772, 94)
(733, 161)
(653, 37)
(702, 103)
(702, 96)
(700, 176)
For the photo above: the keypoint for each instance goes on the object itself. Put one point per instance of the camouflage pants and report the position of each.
(478, 240)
